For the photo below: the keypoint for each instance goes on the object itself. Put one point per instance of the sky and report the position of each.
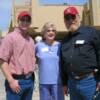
(6, 8)
(5, 14)
(76, 2)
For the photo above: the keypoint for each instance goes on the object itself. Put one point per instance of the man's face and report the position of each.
(71, 22)
(24, 23)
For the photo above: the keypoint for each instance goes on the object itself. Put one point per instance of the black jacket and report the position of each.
(80, 52)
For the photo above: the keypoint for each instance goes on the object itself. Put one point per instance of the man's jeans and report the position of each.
(25, 93)
(83, 89)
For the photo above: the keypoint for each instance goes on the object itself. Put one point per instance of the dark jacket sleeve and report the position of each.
(64, 75)
(96, 43)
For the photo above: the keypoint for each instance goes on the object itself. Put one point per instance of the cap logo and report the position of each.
(68, 10)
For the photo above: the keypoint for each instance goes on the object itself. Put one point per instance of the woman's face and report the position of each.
(50, 34)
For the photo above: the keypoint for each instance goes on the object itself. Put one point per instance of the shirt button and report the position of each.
(72, 73)
(70, 56)
(71, 64)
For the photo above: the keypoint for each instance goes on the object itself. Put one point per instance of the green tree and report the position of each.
(65, 3)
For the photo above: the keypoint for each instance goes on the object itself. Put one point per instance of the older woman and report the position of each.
(47, 52)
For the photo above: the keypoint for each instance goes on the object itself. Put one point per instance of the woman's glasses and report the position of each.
(51, 30)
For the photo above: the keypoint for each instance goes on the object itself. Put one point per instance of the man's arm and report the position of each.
(64, 75)
(6, 52)
(6, 71)
(96, 43)
(12, 82)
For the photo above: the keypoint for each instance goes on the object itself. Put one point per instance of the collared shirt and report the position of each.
(48, 61)
(18, 52)
(81, 51)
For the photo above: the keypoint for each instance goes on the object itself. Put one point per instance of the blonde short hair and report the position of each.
(47, 26)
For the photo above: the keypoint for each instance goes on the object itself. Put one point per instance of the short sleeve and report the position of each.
(6, 48)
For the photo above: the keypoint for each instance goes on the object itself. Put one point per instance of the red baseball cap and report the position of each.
(71, 10)
(23, 13)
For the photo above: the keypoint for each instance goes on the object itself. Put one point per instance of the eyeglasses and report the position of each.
(51, 30)
(69, 17)
(26, 19)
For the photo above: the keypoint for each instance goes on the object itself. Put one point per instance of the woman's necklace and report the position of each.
(50, 47)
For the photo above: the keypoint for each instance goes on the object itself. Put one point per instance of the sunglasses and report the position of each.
(69, 17)
(26, 19)
(51, 30)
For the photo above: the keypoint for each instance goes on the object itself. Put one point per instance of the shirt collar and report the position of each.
(81, 29)
(18, 31)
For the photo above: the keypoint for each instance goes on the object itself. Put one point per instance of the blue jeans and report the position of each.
(83, 89)
(51, 92)
(25, 93)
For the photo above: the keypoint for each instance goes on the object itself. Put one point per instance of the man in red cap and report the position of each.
(80, 58)
(17, 56)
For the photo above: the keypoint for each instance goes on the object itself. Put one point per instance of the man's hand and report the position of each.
(14, 85)
(65, 88)
(98, 86)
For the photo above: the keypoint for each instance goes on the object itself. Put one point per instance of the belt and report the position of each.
(22, 76)
(78, 77)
